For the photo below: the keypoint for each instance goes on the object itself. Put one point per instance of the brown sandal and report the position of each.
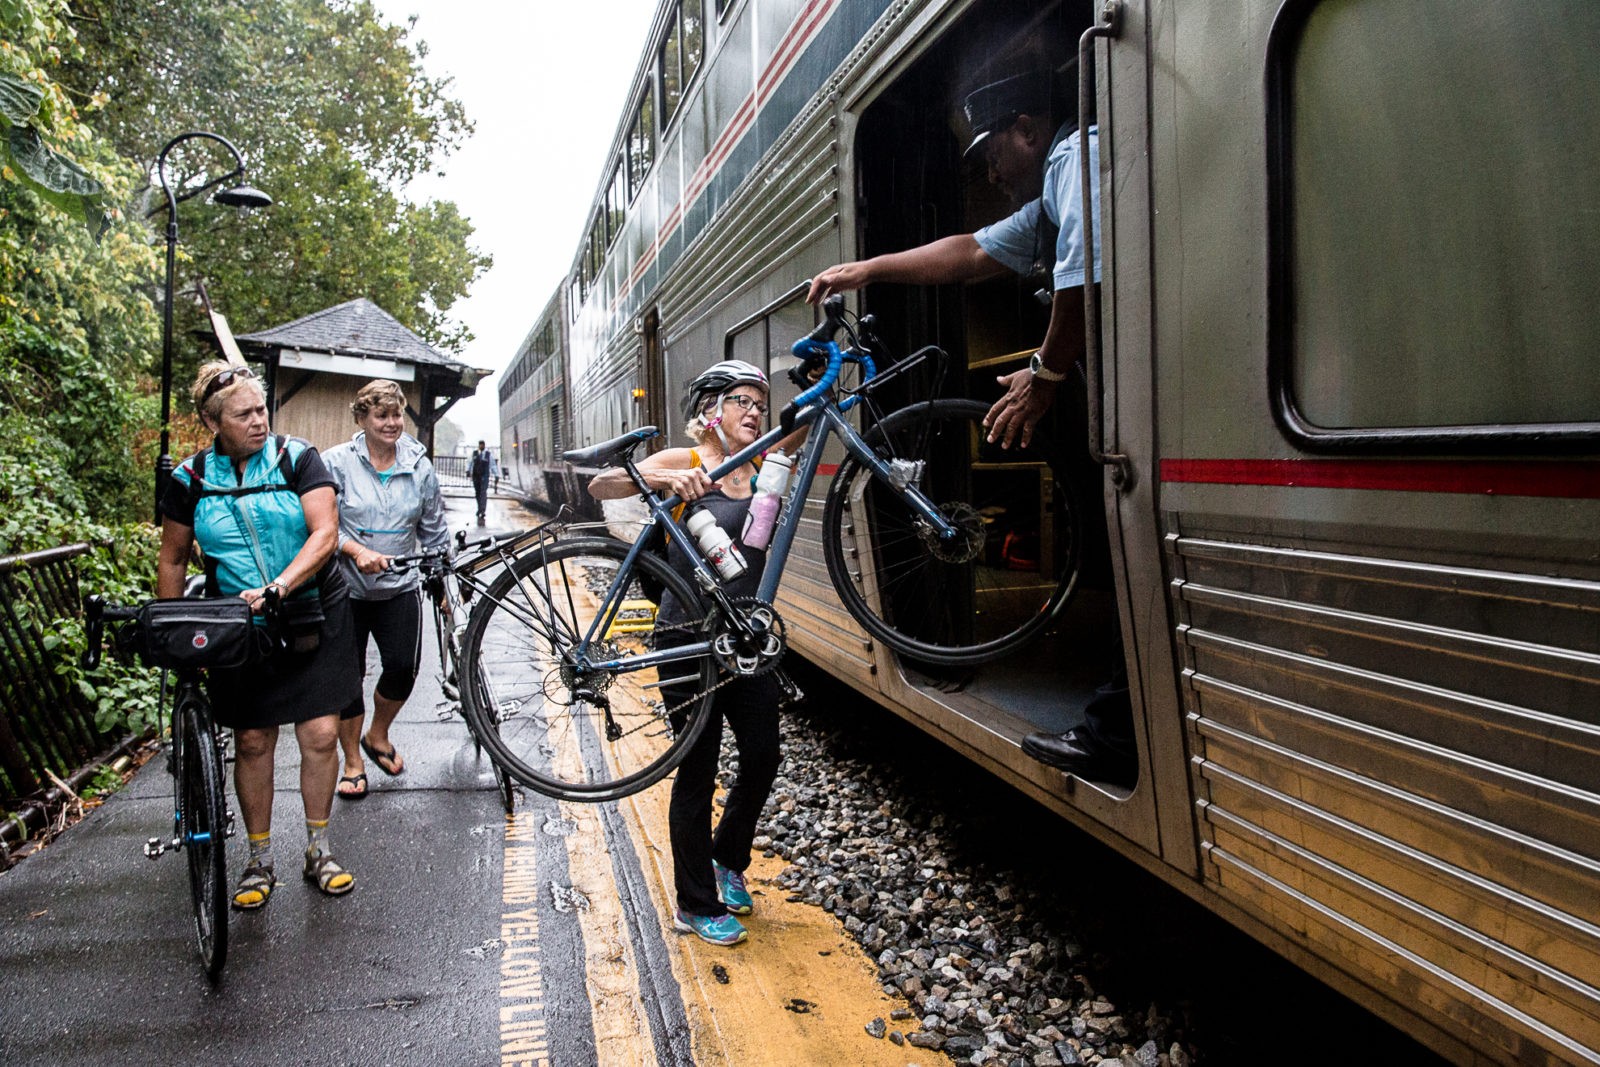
(331, 878)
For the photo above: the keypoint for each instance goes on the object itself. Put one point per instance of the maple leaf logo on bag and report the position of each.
(199, 640)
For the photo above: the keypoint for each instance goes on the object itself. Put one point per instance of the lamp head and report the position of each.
(243, 196)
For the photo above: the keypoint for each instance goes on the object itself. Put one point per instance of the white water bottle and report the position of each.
(716, 546)
(768, 500)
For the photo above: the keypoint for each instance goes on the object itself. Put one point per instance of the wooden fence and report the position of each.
(46, 726)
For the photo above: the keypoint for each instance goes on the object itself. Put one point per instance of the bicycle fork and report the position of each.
(155, 847)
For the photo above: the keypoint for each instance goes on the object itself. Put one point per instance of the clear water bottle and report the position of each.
(768, 500)
(716, 546)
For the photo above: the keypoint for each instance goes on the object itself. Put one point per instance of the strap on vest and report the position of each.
(197, 476)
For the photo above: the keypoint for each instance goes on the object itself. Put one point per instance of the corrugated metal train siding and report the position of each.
(1398, 762)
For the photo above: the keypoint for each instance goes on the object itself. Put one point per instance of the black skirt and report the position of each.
(290, 687)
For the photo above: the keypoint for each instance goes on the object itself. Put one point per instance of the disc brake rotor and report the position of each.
(967, 544)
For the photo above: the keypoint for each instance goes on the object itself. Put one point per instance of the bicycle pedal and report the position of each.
(791, 694)
(153, 848)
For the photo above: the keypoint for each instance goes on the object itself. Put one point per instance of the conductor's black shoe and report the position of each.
(1073, 753)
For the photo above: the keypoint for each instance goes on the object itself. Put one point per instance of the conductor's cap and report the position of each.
(993, 107)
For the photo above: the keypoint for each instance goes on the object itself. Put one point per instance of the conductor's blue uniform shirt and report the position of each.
(1014, 241)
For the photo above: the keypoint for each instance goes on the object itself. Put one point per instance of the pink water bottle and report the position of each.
(767, 501)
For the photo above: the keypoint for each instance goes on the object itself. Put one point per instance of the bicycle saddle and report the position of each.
(610, 453)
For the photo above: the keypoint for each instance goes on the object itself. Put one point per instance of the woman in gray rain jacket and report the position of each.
(389, 505)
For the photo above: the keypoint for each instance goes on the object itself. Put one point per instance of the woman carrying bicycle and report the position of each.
(726, 406)
(262, 508)
(389, 505)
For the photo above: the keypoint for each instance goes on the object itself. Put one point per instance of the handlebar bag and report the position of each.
(184, 633)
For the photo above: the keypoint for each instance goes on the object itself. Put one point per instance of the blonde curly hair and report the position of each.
(380, 394)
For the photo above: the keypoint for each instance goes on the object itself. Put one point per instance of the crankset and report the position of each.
(756, 652)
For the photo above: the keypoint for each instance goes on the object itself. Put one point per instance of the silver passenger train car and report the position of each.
(1345, 382)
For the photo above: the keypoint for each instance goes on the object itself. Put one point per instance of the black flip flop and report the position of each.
(378, 757)
(353, 779)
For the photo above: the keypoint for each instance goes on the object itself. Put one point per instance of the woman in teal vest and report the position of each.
(263, 510)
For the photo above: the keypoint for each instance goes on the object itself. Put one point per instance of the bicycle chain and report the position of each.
(727, 679)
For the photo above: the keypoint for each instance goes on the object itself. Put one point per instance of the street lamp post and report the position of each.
(236, 196)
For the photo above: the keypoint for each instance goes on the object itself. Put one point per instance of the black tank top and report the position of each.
(730, 515)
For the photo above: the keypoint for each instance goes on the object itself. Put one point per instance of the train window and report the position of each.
(680, 55)
(641, 143)
(616, 202)
(668, 67)
(694, 39)
(1434, 244)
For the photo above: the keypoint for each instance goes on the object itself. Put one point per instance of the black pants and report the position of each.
(1108, 717)
(396, 624)
(750, 706)
(481, 489)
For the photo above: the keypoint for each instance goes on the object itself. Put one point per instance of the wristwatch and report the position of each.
(1043, 373)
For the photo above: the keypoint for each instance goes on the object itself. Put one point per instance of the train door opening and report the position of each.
(1044, 504)
(653, 404)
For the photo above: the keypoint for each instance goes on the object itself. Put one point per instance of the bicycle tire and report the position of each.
(543, 724)
(964, 610)
(203, 828)
(505, 785)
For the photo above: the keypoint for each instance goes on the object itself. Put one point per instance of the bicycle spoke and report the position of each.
(585, 722)
(965, 599)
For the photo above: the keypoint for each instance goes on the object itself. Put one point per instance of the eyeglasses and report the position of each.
(225, 379)
(746, 402)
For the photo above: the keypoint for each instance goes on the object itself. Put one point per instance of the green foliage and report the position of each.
(34, 111)
(103, 782)
(124, 695)
(333, 112)
(331, 107)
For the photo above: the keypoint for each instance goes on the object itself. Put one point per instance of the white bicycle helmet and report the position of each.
(717, 380)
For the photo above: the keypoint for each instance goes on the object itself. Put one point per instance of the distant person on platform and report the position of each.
(1012, 132)
(481, 470)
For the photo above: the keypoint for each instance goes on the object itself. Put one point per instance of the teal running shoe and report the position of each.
(731, 890)
(712, 929)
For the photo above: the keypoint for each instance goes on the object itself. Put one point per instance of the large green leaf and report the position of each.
(19, 98)
(57, 179)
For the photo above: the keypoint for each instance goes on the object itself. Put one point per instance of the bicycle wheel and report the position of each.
(203, 826)
(961, 603)
(581, 733)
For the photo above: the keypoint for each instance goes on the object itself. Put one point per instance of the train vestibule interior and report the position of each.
(913, 186)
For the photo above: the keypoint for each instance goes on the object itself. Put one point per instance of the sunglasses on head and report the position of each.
(225, 379)
(746, 402)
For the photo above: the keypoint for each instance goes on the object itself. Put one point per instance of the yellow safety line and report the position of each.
(523, 1031)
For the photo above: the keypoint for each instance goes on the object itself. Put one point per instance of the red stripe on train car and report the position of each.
(1557, 478)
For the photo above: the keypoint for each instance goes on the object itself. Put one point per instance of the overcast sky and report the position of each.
(545, 84)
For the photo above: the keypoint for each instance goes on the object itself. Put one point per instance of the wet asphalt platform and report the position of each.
(470, 938)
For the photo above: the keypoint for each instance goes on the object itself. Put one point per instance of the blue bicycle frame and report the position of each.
(812, 407)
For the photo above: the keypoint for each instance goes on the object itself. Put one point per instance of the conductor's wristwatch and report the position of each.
(1043, 373)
